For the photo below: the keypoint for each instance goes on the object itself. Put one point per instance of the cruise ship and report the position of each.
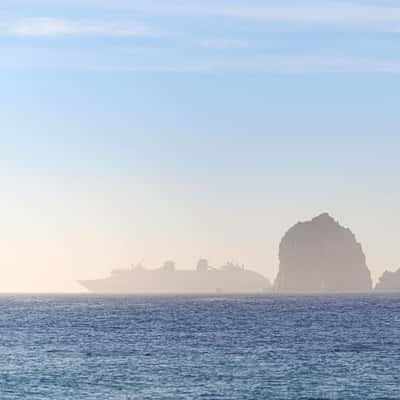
(229, 279)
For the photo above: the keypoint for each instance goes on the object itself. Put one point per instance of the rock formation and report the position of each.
(389, 282)
(320, 256)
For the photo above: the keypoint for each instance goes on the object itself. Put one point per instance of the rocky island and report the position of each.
(389, 282)
(321, 256)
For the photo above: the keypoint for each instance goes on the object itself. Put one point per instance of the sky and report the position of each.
(166, 129)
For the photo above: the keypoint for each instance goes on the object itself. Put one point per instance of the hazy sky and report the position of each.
(177, 129)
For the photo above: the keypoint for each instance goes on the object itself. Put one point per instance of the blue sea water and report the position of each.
(257, 347)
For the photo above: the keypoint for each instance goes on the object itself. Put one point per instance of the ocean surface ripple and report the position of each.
(203, 347)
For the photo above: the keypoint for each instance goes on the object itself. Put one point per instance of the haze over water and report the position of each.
(253, 142)
(167, 129)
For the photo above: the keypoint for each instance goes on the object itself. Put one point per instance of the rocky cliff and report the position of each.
(320, 256)
(389, 282)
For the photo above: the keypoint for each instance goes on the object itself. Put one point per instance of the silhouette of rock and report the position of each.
(389, 282)
(321, 256)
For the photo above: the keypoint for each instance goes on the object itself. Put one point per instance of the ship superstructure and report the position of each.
(230, 278)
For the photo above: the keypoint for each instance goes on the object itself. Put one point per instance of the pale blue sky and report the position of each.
(158, 129)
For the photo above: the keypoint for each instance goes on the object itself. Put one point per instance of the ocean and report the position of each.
(200, 347)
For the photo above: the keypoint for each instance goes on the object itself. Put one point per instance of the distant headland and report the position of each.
(389, 282)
